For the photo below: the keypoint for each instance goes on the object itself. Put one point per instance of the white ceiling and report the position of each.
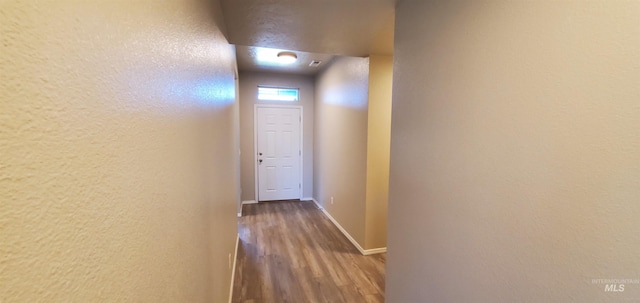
(338, 27)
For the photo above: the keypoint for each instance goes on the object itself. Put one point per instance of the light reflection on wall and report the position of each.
(348, 84)
(180, 76)
(181, 89)
(213, 91)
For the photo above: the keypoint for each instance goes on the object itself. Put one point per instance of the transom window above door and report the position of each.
(267, 93)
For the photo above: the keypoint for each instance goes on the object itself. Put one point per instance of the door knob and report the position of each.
(259, 154)
(260, 160)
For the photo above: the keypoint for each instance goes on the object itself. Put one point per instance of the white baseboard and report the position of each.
(239, 214)
(306, 199)
(233, 269)
(355, 243)
(374, 251)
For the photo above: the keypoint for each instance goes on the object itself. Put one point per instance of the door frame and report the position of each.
(255, 145)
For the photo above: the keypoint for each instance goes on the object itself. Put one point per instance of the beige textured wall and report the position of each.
(249, 82)
(515, 154)
(340, 148)
(378, 147)
(117, 152)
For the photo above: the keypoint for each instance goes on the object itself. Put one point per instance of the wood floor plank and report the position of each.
(374, 299)
(291, 252)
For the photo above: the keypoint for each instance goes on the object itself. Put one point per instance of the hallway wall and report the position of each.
(249, 82)
(118, 152)
(352, 132)
(340, 148)
(515, 154)
(378, 149)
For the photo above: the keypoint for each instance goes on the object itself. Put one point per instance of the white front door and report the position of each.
(279, 153)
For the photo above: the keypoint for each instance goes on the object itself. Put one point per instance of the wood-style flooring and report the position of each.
(290, 252)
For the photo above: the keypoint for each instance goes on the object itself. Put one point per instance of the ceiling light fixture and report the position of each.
(287, 57)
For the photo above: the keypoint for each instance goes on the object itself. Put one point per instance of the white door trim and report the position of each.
(255, 144)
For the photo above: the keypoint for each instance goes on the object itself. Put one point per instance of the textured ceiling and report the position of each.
(253, 58)
(342, 27)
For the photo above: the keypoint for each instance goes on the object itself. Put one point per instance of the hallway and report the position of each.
(290, 252)
(492, 146)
